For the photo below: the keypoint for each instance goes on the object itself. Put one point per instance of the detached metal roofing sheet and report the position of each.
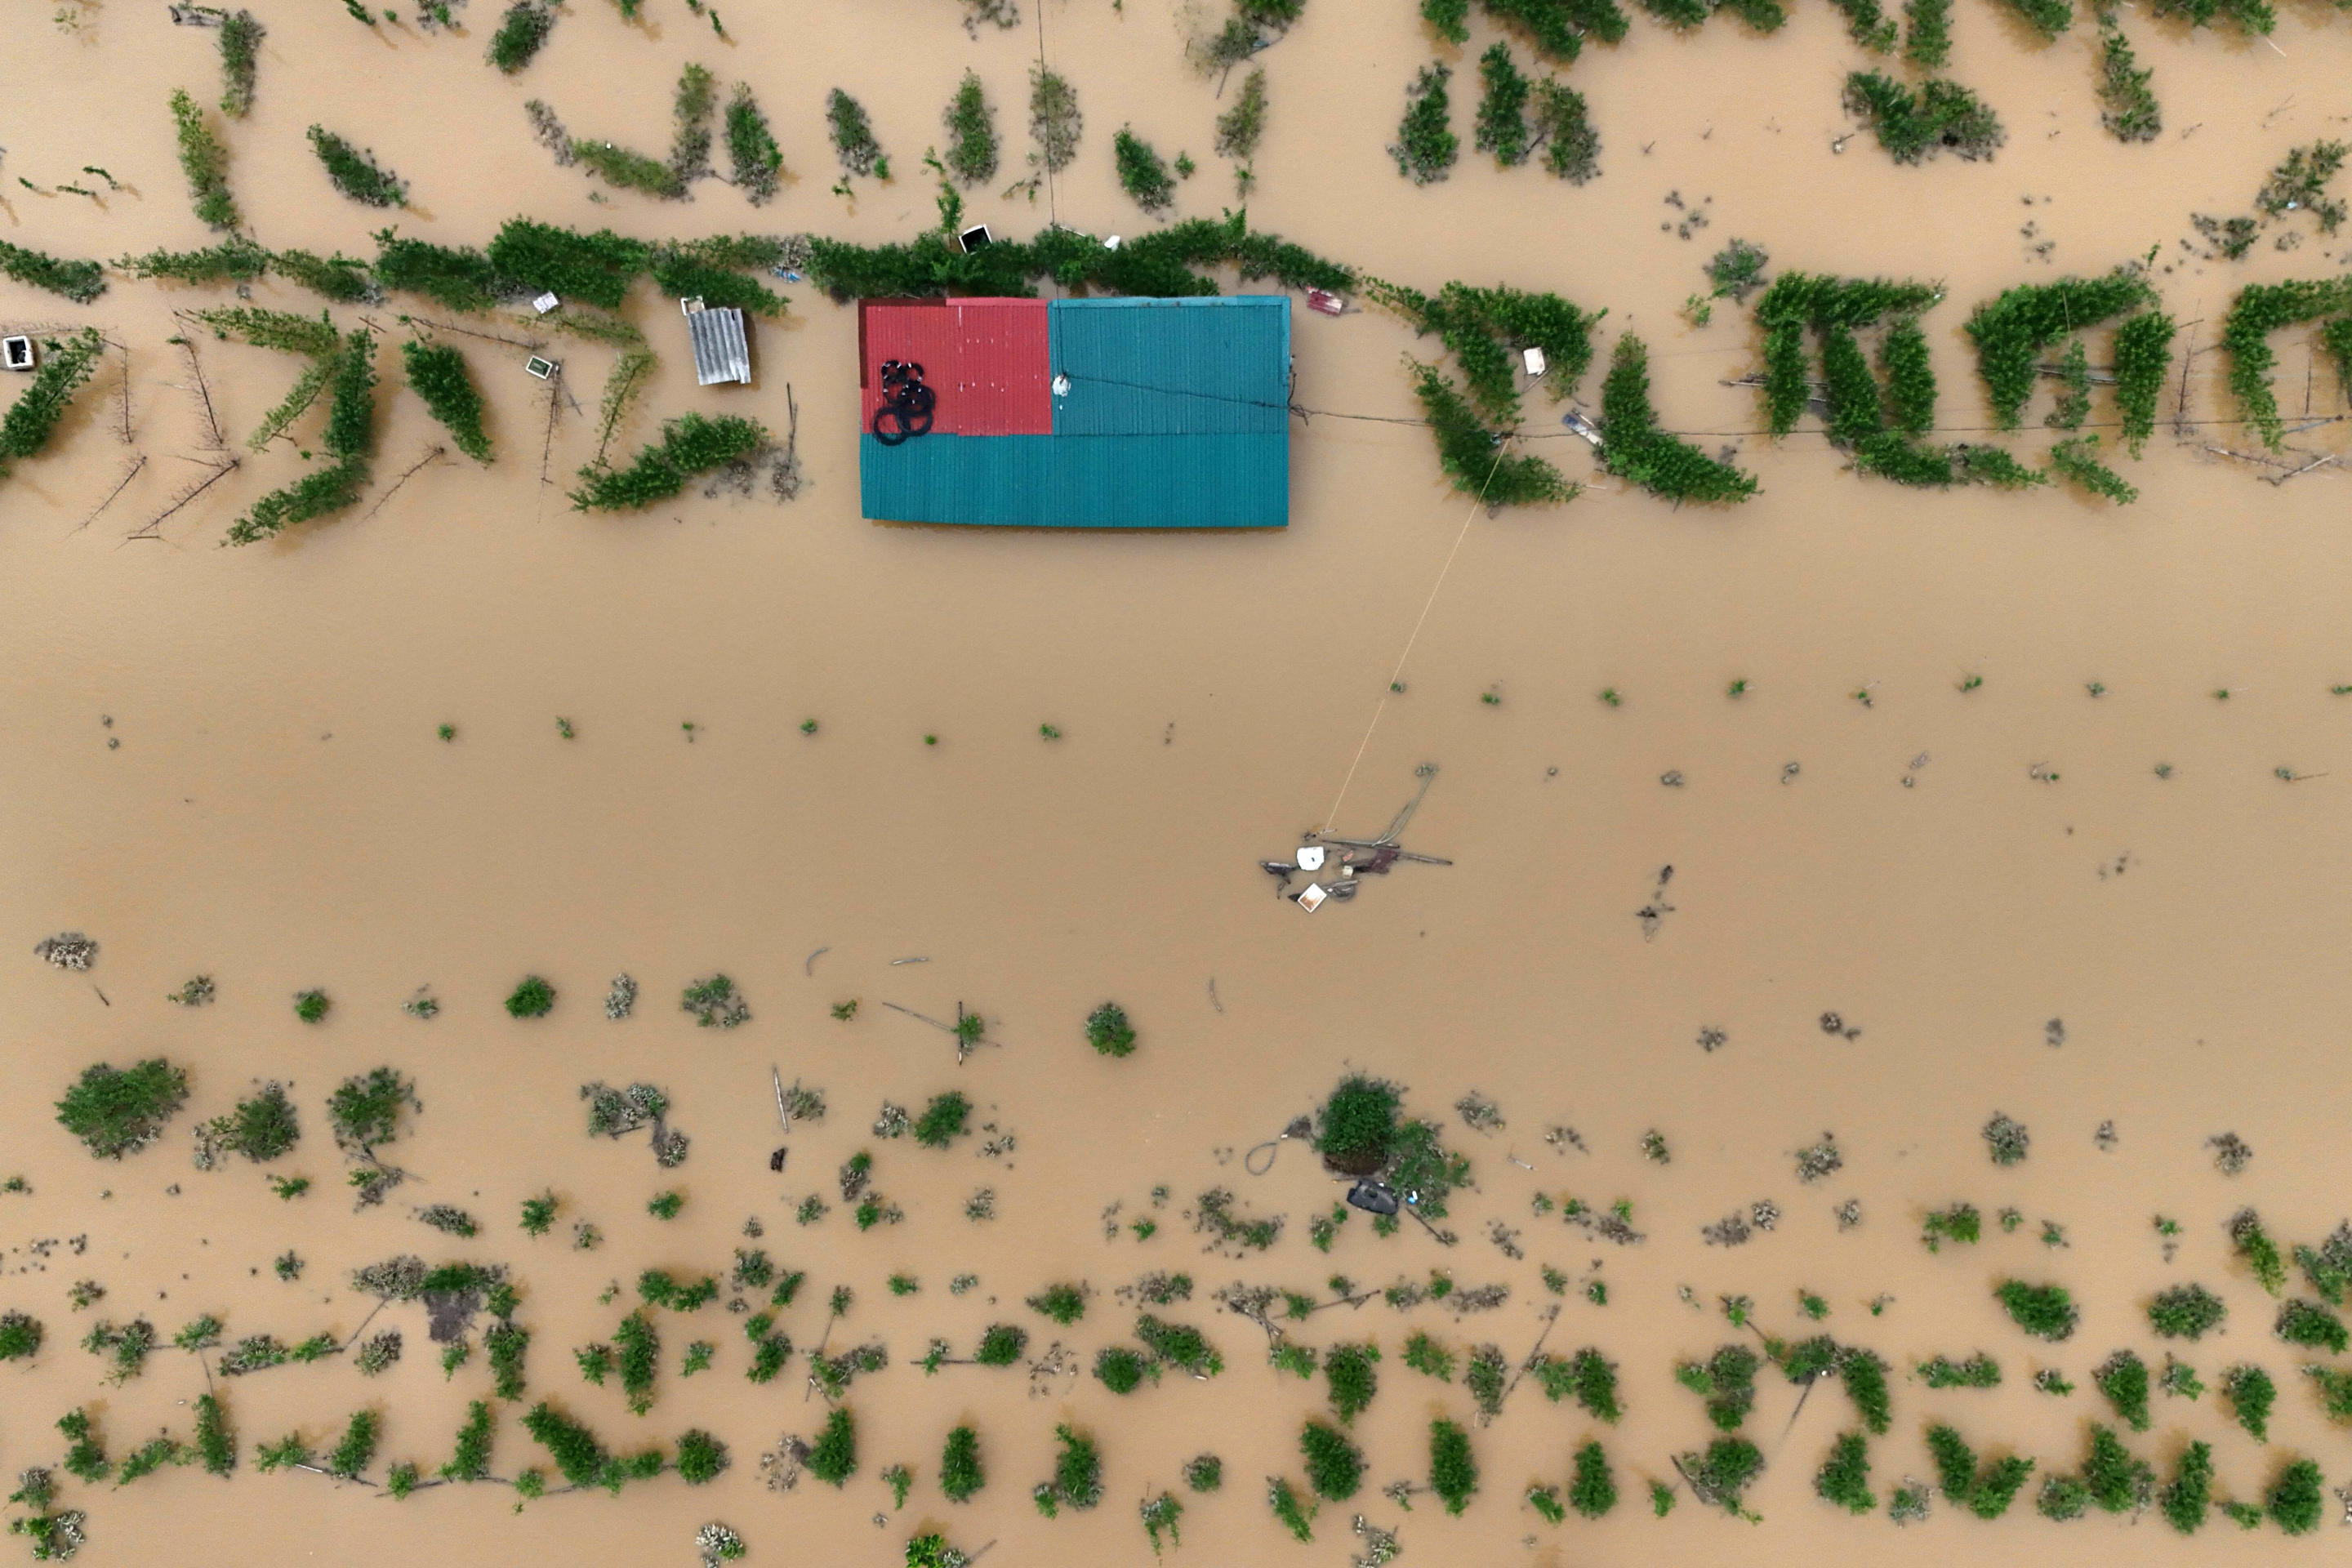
(721, 352)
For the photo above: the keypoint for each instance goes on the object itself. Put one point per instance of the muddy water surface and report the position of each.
(280, 815)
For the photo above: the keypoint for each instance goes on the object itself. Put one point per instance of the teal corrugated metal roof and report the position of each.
(1172, 367)
(1208, 480)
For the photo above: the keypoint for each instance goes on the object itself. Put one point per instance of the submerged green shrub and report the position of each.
(1334, 1466)
(2186, 1499)
(527, 256)
(1636, 449)
(2012, 331)
(971, 125)
(1844, 1476)
(26, 428)
(2251, 1393)
(117, 1110)
(1453, 1469)
(1941, 116)
(1929, 28)
(1108, 1032)
(2045, 1311)
(236, 259)
(205, 160)
(1426, 146)
(2186, 1311)
(461, 279)
(2076, 458)
(437, 372)
(2126, 106)
(2294, 1499)
(355, 172)
(2047, 18)
(240, 55)
(338, 277)
(2123, 1378)
(756, 163)
(1142, 174)
(521, 33)
(1570, 142)
(689, 444)
(852, 136)
(1501, 120)
(627, 169)
(81, 281)
(2260, 310)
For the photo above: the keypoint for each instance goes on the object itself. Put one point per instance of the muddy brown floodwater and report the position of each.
(278, 814)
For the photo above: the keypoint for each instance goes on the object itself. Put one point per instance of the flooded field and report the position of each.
(1856, 815)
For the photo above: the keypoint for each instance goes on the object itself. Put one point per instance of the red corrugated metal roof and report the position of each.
(985, 358)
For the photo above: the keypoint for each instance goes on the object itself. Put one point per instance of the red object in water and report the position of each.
(1325, 301)
(986, 359)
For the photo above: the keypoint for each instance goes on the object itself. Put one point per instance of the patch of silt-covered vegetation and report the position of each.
(542, 1425)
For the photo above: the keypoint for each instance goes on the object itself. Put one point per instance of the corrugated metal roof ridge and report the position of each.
(1231, 480)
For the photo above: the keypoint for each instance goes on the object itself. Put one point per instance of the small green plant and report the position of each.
(1426, 147)
(665, 1206)
(20, 1336)
(81, 281)
(1962, 1224)
(117, 1110)
(2128, 108)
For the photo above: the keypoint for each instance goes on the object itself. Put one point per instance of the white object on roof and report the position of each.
(1111, 243)
(1535, 361)
(1061, 384)
(1310, 857)
(541, 368)
(721, 352)
(545, 303)
(16, 353)
(1312, 898)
